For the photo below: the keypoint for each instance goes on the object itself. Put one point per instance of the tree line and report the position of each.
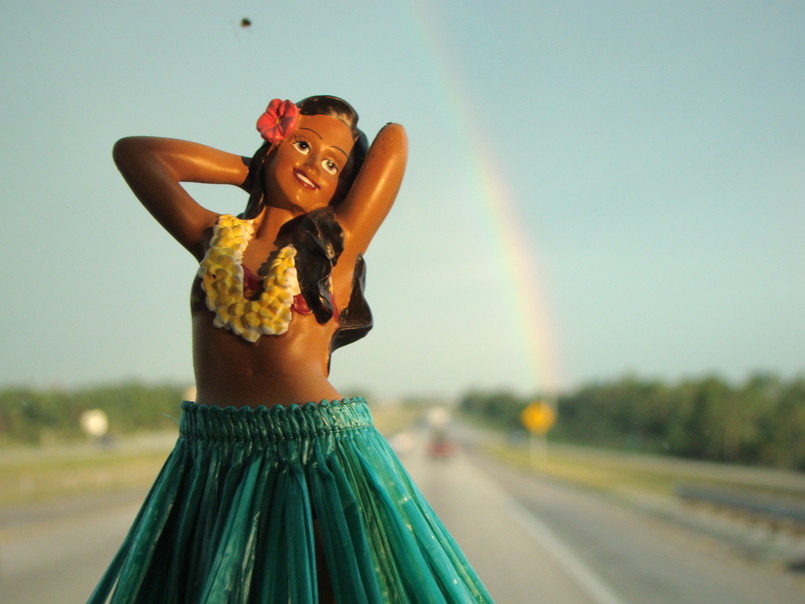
(34, 416)
(44, 416)
(760, 421)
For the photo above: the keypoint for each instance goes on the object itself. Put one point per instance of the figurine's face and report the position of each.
(305, 167)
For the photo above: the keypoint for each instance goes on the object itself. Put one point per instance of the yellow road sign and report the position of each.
(538, 417)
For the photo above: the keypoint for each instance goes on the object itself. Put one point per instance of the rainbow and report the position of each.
(518, 254)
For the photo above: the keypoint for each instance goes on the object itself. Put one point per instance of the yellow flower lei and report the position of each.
(221, 274)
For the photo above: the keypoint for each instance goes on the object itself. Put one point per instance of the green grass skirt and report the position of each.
(231, 516)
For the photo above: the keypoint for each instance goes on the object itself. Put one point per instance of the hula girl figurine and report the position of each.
(279, 489)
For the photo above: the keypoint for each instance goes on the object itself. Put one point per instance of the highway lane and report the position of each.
(54, 557)
(50, 557)
(516, 565)
(530, 540)
(58, 557)
(529, 536)
(639, 557)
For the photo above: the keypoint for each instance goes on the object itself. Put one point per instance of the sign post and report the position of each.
(538, 417)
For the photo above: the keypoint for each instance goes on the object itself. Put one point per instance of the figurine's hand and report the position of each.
(154, 167)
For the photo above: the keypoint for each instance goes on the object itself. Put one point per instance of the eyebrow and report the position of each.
(322, 138)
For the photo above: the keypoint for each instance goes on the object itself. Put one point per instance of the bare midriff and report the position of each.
(275, 370)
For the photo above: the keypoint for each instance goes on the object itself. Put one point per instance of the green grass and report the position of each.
(68, 473)
(589, 471)
(392, 419)
(631, 473)
(35, 474)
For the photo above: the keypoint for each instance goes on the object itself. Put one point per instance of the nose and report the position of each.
(312, 161)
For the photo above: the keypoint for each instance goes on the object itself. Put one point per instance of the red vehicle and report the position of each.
(440, 446)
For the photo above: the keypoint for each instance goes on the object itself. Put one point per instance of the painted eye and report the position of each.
(302, 146)
(329, 166)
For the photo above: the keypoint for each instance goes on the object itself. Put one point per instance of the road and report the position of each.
(536, 540)
(530, 540)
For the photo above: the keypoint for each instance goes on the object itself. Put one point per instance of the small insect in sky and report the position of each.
(245, 22)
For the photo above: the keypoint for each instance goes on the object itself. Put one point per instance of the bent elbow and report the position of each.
(123, 151)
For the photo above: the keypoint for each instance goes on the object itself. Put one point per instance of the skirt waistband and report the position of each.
(278, 422)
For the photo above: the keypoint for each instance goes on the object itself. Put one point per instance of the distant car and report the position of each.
(440, 446)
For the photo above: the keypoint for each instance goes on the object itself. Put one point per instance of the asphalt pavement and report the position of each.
(530, 540)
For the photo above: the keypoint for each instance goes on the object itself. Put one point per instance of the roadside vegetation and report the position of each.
(35, 416)
(760, 422)
(45, 454)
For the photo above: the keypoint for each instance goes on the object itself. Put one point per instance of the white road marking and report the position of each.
(595, 587)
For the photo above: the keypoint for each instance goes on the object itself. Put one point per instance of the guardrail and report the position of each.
(764, 506)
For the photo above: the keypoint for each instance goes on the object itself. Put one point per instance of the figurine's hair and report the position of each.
(313, 105)
(335, 107)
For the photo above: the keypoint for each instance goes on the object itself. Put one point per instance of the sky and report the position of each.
(594, 188)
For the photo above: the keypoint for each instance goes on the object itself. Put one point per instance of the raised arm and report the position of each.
(375, 188)
(154, 169)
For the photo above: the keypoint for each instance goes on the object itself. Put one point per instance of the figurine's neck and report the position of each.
(268, 222)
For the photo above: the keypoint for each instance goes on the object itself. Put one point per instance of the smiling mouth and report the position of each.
(304, 180)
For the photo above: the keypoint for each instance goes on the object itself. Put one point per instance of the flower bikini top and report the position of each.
(222, 280)
(296, 277)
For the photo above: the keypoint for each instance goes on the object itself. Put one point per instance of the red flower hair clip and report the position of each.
(278, 121)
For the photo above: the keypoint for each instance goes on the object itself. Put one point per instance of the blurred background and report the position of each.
(601, 218)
